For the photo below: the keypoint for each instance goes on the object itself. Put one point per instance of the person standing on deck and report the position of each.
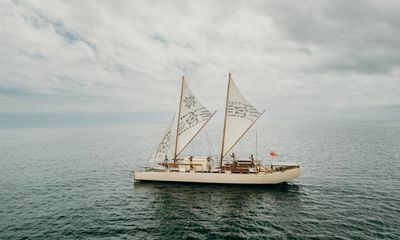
(191, 162)
(209, 164)
(235, 163)
(166, 161)
(252, 160)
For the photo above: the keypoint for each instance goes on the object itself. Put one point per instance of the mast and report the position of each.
(226, 111)
(179, 116)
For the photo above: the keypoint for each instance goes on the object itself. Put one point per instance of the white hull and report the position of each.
(220, 178)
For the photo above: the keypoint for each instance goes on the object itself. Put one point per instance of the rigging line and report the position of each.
(210, 147)
(256, 142)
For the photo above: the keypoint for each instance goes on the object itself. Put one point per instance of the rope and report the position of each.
(210, 147)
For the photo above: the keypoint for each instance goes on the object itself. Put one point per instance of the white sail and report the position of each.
(164, 148)
(192, 118)
(240, 115)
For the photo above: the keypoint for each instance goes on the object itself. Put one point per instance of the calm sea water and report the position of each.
(76, 183)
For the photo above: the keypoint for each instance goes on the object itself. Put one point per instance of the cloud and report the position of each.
(128, 56)
(360, 37)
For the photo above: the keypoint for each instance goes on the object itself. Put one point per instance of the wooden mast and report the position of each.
(223, 133)
(178, 120)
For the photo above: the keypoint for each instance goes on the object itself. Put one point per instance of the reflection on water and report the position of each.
(220, 210)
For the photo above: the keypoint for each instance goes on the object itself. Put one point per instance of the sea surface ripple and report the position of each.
(76, 183)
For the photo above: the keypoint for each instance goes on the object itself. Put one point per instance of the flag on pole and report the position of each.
(273, 154)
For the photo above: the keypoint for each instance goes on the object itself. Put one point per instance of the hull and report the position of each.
(220, 178)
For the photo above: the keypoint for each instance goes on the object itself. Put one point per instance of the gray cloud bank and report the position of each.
(128, 56)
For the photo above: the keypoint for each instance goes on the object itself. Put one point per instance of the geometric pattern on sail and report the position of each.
(193, 116)
(164, 148)
(240, 116)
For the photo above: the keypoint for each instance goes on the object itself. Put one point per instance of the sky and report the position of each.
(67, 61)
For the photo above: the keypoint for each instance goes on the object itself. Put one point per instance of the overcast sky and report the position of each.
(129, 56)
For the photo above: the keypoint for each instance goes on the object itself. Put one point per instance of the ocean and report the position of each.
(77, 183)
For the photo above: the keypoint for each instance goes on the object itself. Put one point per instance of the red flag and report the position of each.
(273, 154)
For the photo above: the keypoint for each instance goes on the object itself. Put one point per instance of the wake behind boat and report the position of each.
(192, 116)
